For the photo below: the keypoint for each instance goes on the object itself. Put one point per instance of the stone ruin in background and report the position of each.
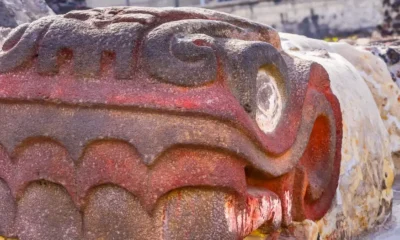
(391, 18)
(15, 12)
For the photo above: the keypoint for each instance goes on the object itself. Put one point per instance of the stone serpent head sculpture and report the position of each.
(141, 123)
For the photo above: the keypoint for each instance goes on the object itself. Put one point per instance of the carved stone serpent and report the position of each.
(156, 101)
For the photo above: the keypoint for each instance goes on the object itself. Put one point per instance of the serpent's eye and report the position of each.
(269, 101)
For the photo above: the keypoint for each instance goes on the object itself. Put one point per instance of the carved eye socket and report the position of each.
(269, 101)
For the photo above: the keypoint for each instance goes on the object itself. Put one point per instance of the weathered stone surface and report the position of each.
(123, 218)
(184, 222)
(363, 200)
(391, 230)
(15, 12)
(3, 33)
(173, 109)
(383, 84)
(47, 212)
(6, 19)
(7, 209)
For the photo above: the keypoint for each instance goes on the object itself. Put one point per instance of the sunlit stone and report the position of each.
(269, 102)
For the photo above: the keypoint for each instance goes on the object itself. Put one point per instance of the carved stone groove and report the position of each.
(168, 109)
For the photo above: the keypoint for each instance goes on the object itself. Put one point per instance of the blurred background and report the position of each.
(323, 19)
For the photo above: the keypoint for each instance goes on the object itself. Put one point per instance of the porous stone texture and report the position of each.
(378, 62)
(381, 74)
(386, 90)
(192, 120)
(364, 196)
(56, 211)
(3, 33)
(16, 12)
(389, 51)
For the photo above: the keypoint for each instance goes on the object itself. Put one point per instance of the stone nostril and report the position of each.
(247, 108)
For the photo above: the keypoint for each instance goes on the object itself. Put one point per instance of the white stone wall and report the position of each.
(141, 3)
(108, 3)
(314, 18)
